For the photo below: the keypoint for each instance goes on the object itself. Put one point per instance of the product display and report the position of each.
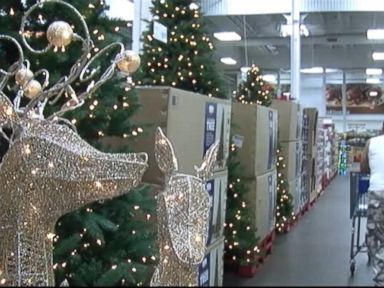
(261, 197)
(182, 115)
(289, 120)
(255, 136)
(309, 144)
(343, 157)
(153, 149)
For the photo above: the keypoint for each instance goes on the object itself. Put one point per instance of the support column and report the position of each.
(142, 13)
(344, 102)
(323, 110)
(295, 50)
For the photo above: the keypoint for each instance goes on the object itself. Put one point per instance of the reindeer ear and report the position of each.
(164, 154)
(7, 111)
(205, 170)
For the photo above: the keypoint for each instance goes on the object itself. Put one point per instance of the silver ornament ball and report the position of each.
(128, 61)
(23, 75)
(59, 34)
(32, 89)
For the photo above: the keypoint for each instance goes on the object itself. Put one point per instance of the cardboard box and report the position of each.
(312, 114)
(289, 120)
(295, 190)
(308, 179)
(261, 198)
(217, 189)
(255, 135)
(292, 158)
(211, 270)
(191, 121)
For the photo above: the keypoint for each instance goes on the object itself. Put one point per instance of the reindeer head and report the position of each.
(186, 201)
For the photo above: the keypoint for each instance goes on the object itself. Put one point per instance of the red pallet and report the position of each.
(305, 209)
(248, 271)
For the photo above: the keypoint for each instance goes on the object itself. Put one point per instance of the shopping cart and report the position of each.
(358, 209)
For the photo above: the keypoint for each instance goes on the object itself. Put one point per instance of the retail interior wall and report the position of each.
(312, 95)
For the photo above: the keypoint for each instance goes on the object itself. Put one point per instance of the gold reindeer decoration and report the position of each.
(183, 217)
(49, 170)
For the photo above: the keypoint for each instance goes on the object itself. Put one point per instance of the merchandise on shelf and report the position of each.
(343, 158)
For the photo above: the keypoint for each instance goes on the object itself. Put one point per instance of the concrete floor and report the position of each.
(316, 252)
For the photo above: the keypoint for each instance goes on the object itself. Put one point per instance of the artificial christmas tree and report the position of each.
(240, 237)
(109, 242)
(284, 208)
(185, 59)
(254, 90)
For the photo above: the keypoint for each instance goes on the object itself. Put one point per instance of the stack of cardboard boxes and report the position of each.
(291, 146)
(255, 135)
(309, 138)
(320, 156)
(192, 122)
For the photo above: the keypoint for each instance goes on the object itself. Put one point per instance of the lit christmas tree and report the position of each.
(186, 60)
(254, 90)
(240, 236)
(284, 207)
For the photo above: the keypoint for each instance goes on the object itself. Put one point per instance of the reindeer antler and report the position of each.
(60, 34)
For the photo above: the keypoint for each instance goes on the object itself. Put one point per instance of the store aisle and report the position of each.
(316, 251)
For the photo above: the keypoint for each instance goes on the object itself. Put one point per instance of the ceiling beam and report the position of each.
(358, 39)
(243, 7)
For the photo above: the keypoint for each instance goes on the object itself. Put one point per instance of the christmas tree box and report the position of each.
(191, 121)
(289, 120)
(255, 135)
(312, 114)
(261, 198)
(291, 152)
(217, 189)
(211, 270)
(294, 187)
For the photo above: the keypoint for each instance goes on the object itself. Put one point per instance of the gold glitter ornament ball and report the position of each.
(59, 34)
(128, 61)
(32, 89)
(23, 75)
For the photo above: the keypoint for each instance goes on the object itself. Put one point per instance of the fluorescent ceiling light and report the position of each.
(227, 36)
(331, 70)
(378, 56)
(270, 78)
(313, 70)
(375, 34)
(228, 61)
(286, 30)
(373, 93)
(372, 80)
(373, 71)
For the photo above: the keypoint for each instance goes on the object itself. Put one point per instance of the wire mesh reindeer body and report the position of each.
(49, 170)
(183, 217)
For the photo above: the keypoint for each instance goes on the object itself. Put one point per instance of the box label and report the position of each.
(210, 125)
(271, 151)
(238, 140)
(210, 187)
(204, 269)
(298, 159)
(160, 32)
(271, 194)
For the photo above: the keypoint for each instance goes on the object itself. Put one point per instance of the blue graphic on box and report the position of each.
(210, 187)
(204, 272)
(210, 125)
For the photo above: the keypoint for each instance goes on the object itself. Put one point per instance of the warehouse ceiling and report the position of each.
(336, 40)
